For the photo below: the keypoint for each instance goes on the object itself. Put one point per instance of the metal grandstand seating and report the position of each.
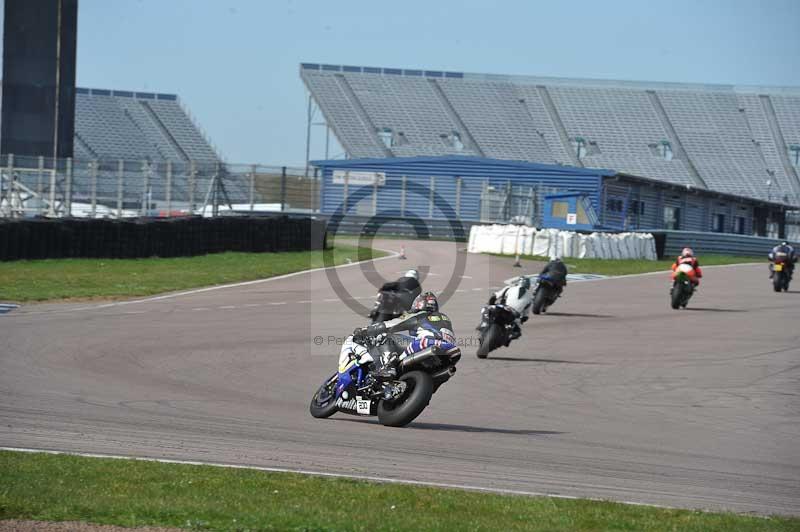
(357, 137)
(104, 128)
(178, 126)
(787, 111)
(423, 121)
(724, 138)
(496, 119)
(112, 125)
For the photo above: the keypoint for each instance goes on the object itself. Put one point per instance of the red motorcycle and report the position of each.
(682, 286)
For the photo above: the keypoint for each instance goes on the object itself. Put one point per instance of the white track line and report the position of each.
(368, 478)
(666, 272)
(391, 255)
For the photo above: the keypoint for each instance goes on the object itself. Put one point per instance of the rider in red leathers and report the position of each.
(687, 257)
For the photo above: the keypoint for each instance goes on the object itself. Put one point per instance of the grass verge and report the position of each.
(632, 266)
(135, 493)
(40, 280)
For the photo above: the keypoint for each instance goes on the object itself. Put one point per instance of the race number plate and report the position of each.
(363, 406)
(778, 267)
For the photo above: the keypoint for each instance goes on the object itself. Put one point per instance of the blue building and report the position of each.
(478, 189)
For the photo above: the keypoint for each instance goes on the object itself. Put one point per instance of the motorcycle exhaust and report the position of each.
(418, 357)
(444, 375)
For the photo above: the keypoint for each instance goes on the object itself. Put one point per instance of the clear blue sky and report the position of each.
(235, 63)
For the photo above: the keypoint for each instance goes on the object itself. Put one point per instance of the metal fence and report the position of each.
(514, 204)
(31, 186)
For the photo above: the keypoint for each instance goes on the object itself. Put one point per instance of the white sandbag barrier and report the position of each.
(523, 240)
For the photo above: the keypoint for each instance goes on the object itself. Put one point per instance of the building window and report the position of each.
(637, 207)
(672, 218)
(662, 150)
(386, 136)
(579, 145)
(453, 139)
(794, 154)
(614, 205)
(582, 217)
(665, 150)
(718, 223)
(740, 224)
(559, 209)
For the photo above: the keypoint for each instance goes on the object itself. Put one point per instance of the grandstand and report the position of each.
(132, 149)
(112, 125)
(743, 141)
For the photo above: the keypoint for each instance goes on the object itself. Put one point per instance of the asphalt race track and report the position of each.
(611, 395)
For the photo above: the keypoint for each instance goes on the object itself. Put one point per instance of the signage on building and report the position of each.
(357, 179)
(572, 218)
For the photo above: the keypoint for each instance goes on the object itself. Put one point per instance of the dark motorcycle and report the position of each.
(547, 291)
(780, 274)
(352, 390)
(682, 286)
(391, 303)
(496, 328)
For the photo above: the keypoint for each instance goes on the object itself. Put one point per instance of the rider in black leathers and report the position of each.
(557, 271)
(408, 282)
(406, 288)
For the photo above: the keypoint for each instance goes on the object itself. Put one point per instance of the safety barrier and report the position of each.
(671, 243)
(147, 237)
(524, 240)
(457, 230)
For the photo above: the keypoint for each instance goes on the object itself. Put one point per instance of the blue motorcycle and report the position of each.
(353, 390)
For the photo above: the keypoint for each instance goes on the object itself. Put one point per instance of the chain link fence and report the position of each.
(40, 186)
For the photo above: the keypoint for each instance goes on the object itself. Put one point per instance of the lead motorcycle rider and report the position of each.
(406, 288)
(429, 326)
(518, 297)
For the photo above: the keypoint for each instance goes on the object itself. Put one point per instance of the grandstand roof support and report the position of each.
(308, 134)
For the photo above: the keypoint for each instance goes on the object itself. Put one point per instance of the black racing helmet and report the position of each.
(426, 301)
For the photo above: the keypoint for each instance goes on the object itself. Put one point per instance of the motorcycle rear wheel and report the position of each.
(403, 411)
(779, 281)
(325, 407)
(539, 300)
(489, 341)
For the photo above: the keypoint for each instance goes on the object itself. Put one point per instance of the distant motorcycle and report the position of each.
(547, 291)
(682, 286)
(495, 329)
(352, 390)
(780, 274)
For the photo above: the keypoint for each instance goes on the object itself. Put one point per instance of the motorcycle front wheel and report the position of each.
(402, 411)
(323, 404)
(676, 295)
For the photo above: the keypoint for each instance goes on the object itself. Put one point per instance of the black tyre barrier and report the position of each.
(156, 237)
